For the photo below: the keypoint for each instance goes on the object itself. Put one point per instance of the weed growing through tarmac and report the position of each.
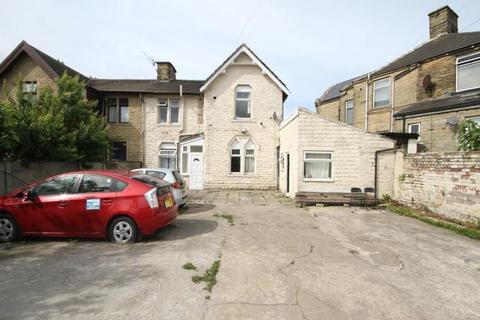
(407, 212)
(228, 217)
(209, 277)
(189, 266)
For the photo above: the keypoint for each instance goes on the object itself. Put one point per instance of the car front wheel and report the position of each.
(123, 230)
(8, 228)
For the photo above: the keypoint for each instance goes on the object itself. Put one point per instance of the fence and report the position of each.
(14, 175)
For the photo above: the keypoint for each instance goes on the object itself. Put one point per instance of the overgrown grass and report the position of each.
(189, 266)
(209, 277)
(407, 212)
(228, 217)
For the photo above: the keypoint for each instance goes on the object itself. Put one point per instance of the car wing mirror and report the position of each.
(32, 195)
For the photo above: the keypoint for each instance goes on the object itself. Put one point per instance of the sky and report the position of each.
(310, 45)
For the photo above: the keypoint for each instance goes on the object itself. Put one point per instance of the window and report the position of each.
(414, 128)
(242, 102)
(156, 174)
(249, 157)
(168, 111)
(59, 185)
(349, 112)
(168, 156)
(381, 93)
(235, 157)
(468, 72)
(117, 110)
(475, 119)
(119, 151)
(30, 87)
(98, 183)
(317, 165)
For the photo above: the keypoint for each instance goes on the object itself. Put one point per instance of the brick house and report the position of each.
(221, 132)
(428, 90)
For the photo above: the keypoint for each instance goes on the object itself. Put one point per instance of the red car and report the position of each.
(101, 204)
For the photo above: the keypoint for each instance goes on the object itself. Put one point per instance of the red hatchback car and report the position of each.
(101, 204)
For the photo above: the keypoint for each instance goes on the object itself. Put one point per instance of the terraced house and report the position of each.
(220, 132)
(428, 90)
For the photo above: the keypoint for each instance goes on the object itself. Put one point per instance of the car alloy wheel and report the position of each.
(122, 232)
(7, 230)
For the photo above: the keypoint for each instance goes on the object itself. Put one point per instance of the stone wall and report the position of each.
(445, 183)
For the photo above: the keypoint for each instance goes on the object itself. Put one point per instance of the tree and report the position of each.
(469, 136)
(57, 125)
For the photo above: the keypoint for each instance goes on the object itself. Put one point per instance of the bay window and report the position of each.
(468, 72)
(381, 93)
(317, 165)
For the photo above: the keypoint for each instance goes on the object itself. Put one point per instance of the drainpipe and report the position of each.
(143, 128)
(376, 164)
(393, 102)
(366, 102)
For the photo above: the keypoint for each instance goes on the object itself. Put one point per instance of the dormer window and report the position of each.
(468, 72)
(242, 102)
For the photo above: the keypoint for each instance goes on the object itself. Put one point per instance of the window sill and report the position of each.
(239, 174)
(318, 180)
(168, 125)
(243, 121)
(382, 108)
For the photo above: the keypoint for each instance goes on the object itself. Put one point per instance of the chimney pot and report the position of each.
(165, 71)
(443, 20)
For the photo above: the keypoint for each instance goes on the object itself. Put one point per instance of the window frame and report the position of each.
(346, 111)
(169, 108)
(249, 100)
(26, 83)
(475, 119)
(389, 93)
(118, 109)
(331, 161)
(239, 156)
(457, 64)
(173, 155)
(73, 189)
(419, 124)
(126, 151)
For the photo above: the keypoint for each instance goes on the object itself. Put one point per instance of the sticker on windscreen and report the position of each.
(93, 204)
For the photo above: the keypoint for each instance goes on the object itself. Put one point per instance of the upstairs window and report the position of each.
(168, 111)
(242, 102)
(468, 72)
(29, 87)
(475, 119)
(117, 110)
(349, 112)
(381, 93)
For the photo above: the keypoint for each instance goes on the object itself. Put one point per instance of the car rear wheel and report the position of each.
(123, 230)
(8, 228)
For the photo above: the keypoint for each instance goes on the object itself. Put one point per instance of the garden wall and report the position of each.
(14, 175)
(445, 183)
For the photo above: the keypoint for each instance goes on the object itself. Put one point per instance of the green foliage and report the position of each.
(227, 217)
(189, 266)
(402, 177)
(464, 231)
(469, 136)
(209, 277)
(58, 124)
(386, 197)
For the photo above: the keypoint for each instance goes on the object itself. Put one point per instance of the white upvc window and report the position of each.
(242, 157)
(317, 166)
(29, 87)
(168, 111)
(468, 72)
(415, 128)
(381, 93)
(349, 112)
(243, 102)
(167, 156)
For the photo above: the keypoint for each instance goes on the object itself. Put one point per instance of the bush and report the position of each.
(469, 136)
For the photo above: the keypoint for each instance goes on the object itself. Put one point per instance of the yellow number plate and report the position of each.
(168, 203)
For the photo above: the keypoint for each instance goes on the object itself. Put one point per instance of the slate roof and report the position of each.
(146, 86)
(444, 44)
(447, 103)
(53, 67)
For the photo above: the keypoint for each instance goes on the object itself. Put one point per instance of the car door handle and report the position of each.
(62, 204)
(106, 201)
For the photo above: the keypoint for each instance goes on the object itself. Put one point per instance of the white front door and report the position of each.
(196, 171)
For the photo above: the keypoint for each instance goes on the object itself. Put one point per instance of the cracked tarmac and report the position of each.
(278, 262)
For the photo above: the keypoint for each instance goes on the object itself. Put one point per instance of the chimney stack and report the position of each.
(443, 20)
(165, 71)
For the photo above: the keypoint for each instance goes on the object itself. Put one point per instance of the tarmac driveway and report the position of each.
(277, 262)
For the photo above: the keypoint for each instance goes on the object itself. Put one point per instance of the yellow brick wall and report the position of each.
(130, 132)
(329, 109)
(24, 69)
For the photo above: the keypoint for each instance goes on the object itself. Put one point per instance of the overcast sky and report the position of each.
(310, 45)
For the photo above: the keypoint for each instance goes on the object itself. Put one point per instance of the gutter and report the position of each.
(376, 168)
